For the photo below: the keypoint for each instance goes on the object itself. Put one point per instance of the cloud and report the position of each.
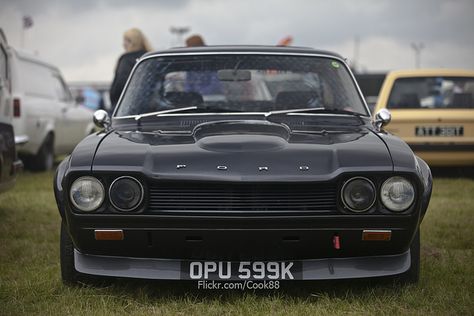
(84, 38)
(79, 6)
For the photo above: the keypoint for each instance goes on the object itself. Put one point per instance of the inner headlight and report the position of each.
(126, 193)
(397, 194)
(358, 194)
(87, 194)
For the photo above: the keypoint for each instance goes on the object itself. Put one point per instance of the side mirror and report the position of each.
(101, 119)
(382, 118)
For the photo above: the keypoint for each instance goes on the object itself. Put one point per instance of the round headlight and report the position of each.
(358, 194)
(87, 194)
(126, 193)
(397, 194)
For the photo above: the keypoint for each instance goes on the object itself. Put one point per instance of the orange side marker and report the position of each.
(108, 234)
(376, 235)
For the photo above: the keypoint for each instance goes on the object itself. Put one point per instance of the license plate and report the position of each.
(243, 270)
(441, 131)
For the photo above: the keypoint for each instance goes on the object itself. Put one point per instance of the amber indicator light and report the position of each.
(376, 235)
(108, 234)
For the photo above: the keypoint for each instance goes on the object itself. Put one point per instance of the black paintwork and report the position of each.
(334, 148)
(246, 49)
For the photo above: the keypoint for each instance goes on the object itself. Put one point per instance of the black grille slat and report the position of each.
(229, 198)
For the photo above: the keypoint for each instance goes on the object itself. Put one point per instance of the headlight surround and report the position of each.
(126, 193)
(87, 193)
(397, 194)
(358, 194)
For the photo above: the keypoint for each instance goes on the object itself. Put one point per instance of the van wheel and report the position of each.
(44, 159)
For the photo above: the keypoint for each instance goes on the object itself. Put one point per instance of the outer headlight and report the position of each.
(87, 194)
(126, 193)
(397, 194)
(358, 194)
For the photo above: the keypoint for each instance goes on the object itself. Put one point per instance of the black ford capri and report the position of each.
(241, 164)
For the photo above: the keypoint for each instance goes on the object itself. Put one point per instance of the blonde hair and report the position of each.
(137, 40)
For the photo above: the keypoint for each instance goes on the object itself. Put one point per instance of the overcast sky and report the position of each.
(84, 37)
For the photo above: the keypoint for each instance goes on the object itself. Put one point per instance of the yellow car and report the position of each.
(433, 111)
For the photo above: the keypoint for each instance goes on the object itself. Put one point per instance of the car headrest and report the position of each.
(462, 100)
(184, 98)
(295, 99)
(409, 101)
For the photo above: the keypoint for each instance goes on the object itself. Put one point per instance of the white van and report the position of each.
(47, 121)
(9, 164)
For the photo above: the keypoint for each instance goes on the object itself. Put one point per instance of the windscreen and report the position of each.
(432, 93)
(240, 83)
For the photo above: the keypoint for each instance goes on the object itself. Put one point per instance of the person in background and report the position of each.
(195, 41)
(135, 45)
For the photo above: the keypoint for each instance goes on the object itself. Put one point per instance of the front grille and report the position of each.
(232, 198)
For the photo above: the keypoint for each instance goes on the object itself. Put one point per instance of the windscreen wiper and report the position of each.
(158, 113)
(183, 109)
(311, 110)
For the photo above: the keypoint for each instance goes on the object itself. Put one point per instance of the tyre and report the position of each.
(44, 159)
(412, 275)
(68, 272)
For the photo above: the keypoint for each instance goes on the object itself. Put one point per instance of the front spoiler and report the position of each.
(170, 269)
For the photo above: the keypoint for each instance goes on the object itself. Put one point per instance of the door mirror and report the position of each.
(382, 118)
(101, 119)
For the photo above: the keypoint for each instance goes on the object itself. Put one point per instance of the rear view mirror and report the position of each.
(234, 75)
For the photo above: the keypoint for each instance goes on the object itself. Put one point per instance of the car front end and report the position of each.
(242, 195)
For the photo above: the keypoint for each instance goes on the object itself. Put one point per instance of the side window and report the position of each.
(60, 91)
(36, 79)
(3, 64)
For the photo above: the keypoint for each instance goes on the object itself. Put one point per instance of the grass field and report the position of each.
(30, 280)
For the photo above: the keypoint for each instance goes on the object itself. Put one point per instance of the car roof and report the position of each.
(246, 49)
(431, 73)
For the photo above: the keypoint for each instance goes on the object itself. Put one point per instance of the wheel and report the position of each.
(66, 252)
(44, 159)
(412, 275)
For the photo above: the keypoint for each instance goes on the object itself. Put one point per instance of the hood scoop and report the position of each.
(239, 136)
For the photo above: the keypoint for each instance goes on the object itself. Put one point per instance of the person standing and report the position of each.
(135, 45)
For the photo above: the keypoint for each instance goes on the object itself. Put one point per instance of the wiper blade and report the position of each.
(176, 110)
(311, 110)
(158, 113)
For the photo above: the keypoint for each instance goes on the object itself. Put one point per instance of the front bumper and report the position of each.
(21, 139)
(241, 238)
(317, 269)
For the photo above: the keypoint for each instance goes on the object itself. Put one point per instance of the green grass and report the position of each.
(30, 280)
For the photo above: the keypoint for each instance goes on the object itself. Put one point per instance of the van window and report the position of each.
(3, 63)
(36, 79)
(60, 91)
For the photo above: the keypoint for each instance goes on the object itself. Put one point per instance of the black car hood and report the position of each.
(244, 151)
